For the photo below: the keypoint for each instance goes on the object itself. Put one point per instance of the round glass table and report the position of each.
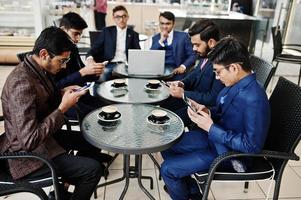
(121, 70)
(132, 134)
(134, 92)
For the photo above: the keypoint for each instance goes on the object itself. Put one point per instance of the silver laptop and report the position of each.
(146, 62)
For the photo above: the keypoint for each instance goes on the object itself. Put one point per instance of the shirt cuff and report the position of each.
(183, 66)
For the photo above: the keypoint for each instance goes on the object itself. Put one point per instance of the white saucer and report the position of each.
(153, 89)
(108, 120)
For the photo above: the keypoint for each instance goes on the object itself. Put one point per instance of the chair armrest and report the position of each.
(1, 118)
(18, 155)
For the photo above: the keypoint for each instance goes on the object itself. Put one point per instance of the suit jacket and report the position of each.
(70, 75)
(241, 117)
(29, 101)
(105, 47)
(182, 48)
(201, 85)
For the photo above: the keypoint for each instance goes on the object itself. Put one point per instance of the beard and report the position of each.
(205, 53)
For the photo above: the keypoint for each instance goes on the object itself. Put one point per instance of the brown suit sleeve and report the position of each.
(23, 104)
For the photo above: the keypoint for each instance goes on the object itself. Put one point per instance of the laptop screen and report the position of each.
(146, 62)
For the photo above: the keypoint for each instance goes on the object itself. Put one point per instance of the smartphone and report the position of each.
(187, 102)
(165, 83)
(86, 87)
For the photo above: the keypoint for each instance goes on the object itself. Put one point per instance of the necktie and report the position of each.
(165, 43)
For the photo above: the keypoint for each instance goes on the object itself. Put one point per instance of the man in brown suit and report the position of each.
(34, 114)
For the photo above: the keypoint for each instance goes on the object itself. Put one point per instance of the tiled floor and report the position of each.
(291, 183)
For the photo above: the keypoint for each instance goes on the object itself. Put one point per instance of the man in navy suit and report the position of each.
(239, 122)
(114, 43)
(177, 46)
(76, 72)
(200, 85)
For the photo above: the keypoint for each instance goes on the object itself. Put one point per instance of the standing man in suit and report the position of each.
(200, 85)
(178, 49)
(34, 114)
(114, 43)
(239, 122)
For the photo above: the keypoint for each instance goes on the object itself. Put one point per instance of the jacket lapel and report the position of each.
(235, 90)
(128, 39)
(114, 38)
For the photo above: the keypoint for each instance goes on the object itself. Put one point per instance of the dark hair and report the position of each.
(168, 15)
(230, 50)
(206, 28)
(118, 8)
(54, 40)
(73, 20)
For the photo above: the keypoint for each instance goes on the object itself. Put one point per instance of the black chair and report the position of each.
(279, 51)
(283, 137)
(264, 70)
(93, 36)
(21, 56)
(10, 186)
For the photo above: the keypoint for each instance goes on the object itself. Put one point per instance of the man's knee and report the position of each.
(166, 170)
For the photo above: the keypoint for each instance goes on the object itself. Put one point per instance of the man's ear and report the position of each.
(211, 43)
(43, 54)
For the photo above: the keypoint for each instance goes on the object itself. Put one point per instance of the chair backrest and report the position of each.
(93, 36)
(264, 70)
(21, 56)
(57, 22)
(277, 41)
(285, 128)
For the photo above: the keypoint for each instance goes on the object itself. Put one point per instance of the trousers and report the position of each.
(192, 153)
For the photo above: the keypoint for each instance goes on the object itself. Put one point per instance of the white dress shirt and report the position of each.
(120, 55)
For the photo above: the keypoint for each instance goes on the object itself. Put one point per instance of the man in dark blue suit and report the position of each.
(200, 85)
(239, 122)
(177, 46)
(114, 43)
(76, 72)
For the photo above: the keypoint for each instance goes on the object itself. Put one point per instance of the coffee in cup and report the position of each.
(109, 113)
(153, 84)
(119, 83)
(158, 116)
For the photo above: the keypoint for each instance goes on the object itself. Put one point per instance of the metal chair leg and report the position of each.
(246, 187)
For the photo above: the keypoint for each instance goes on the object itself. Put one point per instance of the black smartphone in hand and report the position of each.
(165, 83)
(188, 103)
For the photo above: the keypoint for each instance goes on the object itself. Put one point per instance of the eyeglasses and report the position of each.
(218, 72)
(119, 17)
(62, 61)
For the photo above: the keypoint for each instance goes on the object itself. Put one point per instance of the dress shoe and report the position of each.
(195, 196)
(63, 195)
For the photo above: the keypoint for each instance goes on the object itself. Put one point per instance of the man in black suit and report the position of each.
(76, 72)
(114, 42)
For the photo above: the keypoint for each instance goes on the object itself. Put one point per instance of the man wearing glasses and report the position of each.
(76, 72)
(178, 49)
(34, 109)
(114, 42)
(239, 122)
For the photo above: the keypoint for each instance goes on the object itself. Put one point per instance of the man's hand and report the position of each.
(71, 87)
(176, 91)
(163, 36)
(69, 99)
(92, 68)
(201, 117)
(179, 70)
